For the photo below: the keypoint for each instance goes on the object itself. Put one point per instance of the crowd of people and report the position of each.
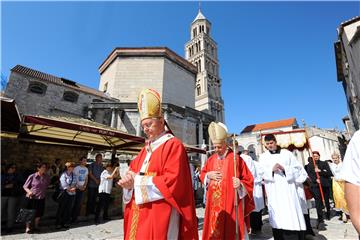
(69, 183)
(159, 184)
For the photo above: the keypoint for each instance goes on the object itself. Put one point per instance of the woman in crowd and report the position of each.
(106, 184)
(11, 190)
(338, 188)
(67, 196)
(35, 187)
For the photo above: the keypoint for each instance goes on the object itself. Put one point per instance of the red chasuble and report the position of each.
(219, 221)
(170, 167)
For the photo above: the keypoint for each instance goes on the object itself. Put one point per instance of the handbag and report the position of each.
(57, 194)
(25, 215)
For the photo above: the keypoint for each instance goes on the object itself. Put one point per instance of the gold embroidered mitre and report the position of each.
(149, 104)
(217, 132)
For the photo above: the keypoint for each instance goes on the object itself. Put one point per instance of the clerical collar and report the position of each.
(277, 151)
(150, 146)
(221, 157)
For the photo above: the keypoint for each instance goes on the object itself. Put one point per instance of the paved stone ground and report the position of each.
(113, 229)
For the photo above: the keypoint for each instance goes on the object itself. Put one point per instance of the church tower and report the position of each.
(201, 51)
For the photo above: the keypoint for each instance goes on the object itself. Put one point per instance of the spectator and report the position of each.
(81, 173)
(11, 190)
(54, 173)
(67, 196)
(35, 188)
(338, 186)
(106, 184)
(95, 170)
(323, 169)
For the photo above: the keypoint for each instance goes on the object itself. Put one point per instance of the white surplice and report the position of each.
(257, 190)
(284, 203)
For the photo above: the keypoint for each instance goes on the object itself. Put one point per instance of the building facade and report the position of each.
(39, 93)
(127, 71)
(324, 141)
(347, 52)
(201, 51)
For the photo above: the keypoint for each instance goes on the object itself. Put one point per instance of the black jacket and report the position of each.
(325, 173)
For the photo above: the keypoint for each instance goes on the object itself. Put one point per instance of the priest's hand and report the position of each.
(214, 175)
(236, 182)
(127, 181)
(278, 168)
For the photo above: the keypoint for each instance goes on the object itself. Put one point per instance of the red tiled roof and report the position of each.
(269, 125)
(57, 80)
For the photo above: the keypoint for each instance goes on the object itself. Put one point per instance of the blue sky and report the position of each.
(276, 58)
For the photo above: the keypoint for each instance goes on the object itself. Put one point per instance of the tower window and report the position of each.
(37, 87)
(198, 90)
(70, 96)
(194, 32)
(105, 87)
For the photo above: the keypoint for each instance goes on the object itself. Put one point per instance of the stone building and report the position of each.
(201, 51)
(126, 71)
(249, 138)
(347, 53)
(324, 141)
(38, 93)
(188, 110)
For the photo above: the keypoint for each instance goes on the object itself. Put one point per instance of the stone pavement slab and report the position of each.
(335, 230)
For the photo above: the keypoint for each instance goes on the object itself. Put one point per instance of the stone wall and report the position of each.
(26, 154)
(51, 103)
(179, 85)
(126, 77)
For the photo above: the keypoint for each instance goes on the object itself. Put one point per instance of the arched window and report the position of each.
(37, 87)
(70, 96)
(198, 90)
(199, 46)
(199, 65)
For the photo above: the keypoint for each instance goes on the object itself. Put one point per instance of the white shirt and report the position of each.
(284, 202)
(81, 174)
(351, 165)
(105, 184)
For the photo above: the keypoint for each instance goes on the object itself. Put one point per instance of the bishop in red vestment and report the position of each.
(218, 176)
(158, 187)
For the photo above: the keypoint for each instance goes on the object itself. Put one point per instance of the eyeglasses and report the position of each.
(149, 124)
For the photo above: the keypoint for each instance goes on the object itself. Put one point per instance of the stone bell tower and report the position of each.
(201, 51)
